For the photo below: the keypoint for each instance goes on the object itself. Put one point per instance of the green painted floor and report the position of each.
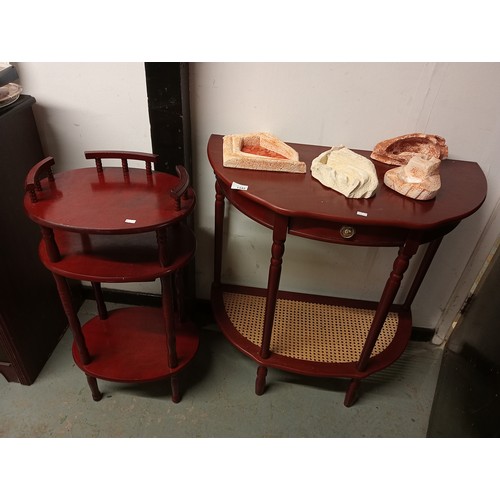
(219, 400)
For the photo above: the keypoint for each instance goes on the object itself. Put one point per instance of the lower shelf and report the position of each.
(131, 346)
(312, 335)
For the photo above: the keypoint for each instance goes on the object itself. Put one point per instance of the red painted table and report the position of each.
(325, 336)
(117, 225)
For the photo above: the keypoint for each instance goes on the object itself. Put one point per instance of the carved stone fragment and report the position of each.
(260, 151)
(399, 150)
(347, 172)
(418, 179)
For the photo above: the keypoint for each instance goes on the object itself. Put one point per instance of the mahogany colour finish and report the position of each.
(134, 333)
(117, 224)
(119, 258)
(298, 204)
(77, 198)
(463, 189)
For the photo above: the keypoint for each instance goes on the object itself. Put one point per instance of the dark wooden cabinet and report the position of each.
(32, 320)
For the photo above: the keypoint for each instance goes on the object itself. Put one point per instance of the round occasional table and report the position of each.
(117, 224)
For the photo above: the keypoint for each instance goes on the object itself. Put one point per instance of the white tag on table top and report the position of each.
(241, 187)
(130, 221)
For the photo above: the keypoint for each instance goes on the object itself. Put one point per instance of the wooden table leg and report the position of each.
(351, 394)
(260, 381)
(99, 299)
(388, 295)
(96, 393)
(218, 232)
(277, 250)
(168, 316)
(74, 322)
(174, 385)
(50, 244)
(422, 271)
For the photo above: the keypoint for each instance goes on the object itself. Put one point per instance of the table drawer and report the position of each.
(347, 234)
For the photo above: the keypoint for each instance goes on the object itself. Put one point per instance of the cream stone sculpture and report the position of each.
(399, 150)
(260, 151)
(418, 179)
(347, 172)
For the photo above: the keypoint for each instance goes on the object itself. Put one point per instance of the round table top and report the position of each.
(463, 190)
(81, 200)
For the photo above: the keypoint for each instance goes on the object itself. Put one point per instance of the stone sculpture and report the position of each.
(347, 172)
(260, 151)
(418, 179)
(399, 150)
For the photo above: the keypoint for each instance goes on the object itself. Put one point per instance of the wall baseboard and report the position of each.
(202, 307)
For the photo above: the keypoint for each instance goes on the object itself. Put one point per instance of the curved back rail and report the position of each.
(180, 191)
(39, 171)
(124, 156)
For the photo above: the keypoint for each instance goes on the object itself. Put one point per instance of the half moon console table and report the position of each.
(324, 336)
(117, 224)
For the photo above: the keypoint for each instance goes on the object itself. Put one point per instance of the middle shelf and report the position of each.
(118, 258)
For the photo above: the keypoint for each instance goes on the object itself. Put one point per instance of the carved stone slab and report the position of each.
(260, 151)
(399, 150)
(418, 179)
(347, 172)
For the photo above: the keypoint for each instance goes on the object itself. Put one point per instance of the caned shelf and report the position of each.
(311, 334)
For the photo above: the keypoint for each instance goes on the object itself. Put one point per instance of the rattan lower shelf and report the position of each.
(312, 335)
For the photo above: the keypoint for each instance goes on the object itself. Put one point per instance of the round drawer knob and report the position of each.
(347, 232)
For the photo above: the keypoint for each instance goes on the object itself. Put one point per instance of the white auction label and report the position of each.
(241, 187)
(130, 221)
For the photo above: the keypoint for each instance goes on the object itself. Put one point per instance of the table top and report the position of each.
(463, 190)
(81, 200)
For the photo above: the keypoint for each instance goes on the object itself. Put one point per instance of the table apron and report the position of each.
(331, 231)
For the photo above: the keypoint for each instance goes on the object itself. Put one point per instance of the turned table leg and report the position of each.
(277, 251)
(218, 232)
(351, 394)
(167, 299)
(99, 299)
(260, 381)
(74, 322)
(168, 316)
(391, 288)
(96, 393)
(422, 271)
(174, 385)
